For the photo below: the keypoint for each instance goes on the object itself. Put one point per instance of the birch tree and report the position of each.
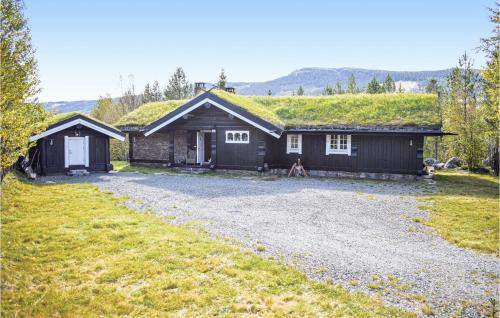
(21, 116)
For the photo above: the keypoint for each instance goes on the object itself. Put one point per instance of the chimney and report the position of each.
(230, 90)
(199, 88)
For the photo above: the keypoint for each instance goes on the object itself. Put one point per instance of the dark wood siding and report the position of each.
(228, 156)
(52, 153)
(369, 153)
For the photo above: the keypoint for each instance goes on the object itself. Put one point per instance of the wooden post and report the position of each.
(436, 148)
(171, 149)
(261, 154)
(43, 153)
(213, 146)
(130, 147)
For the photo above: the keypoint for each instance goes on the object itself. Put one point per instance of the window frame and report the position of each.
(233, 134)
(289, 148)
(337, 138)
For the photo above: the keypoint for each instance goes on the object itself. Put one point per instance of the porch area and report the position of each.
(176, 148)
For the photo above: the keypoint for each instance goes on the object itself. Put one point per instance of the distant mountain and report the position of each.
(84, 106)
(313, 80)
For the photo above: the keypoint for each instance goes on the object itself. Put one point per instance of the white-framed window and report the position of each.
(338, 144)
(237, 136)
(294, 143)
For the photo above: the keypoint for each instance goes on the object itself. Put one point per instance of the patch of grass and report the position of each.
(260, 248)
(374, 285)
(124, 166)
(427, 309)
(71, 250)
(465, 210)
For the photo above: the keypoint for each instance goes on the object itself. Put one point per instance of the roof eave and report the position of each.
(83, 120)
(218, 102)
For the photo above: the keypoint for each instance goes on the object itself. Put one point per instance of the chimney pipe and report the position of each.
(230, 90)
(199, 88)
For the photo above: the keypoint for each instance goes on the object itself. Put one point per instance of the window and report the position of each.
(294, 143)
(338, 144)
(237, 137)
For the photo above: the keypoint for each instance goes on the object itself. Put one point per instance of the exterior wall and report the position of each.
(50, 157)
(154, 147)
(369, 153)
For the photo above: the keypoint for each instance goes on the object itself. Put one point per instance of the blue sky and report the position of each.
(84, 46)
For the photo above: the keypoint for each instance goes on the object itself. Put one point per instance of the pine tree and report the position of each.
(351, 85)
(156, 92)
(178, 86)
(338, 88)
(328, 90)
(490, 110)
(374, 87)
(300, 91)
(460, 113)
(222, 81)
(389, 86)
(147, 95)
(432, 87)
(400, 89)
(21, 116)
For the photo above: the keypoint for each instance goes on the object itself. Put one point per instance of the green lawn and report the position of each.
(71, 250)
(465, 211)
(123, 166)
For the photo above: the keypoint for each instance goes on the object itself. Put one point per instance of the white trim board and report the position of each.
(77, 121)
(208, 100)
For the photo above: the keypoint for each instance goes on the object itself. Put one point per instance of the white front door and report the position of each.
(200, 147)
(76, 151)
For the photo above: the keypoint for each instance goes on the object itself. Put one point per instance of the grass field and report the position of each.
(71, 250)
(465, 211)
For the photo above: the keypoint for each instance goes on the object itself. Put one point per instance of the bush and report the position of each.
(119, 149)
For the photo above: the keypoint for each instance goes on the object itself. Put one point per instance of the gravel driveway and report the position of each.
(359, 233)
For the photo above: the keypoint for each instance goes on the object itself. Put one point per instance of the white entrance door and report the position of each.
(200, 147)
(76, 151)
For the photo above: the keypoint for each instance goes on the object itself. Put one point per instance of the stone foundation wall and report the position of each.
(153, 147)
(344, 174)
(284, 173)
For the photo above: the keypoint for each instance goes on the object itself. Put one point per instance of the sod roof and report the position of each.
(55, 118)
(148, 113)
(306, 111)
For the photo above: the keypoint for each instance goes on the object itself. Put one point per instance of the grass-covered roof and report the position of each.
(148, 113)
(54, 118)
(301, 111)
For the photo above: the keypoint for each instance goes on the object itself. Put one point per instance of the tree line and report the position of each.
(469, 107)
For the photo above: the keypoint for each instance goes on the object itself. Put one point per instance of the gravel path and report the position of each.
(359, 233)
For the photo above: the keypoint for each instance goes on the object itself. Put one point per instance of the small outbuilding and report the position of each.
(73, 141)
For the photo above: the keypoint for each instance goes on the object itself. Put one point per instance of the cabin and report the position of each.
(73, 142)
(217, 129)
